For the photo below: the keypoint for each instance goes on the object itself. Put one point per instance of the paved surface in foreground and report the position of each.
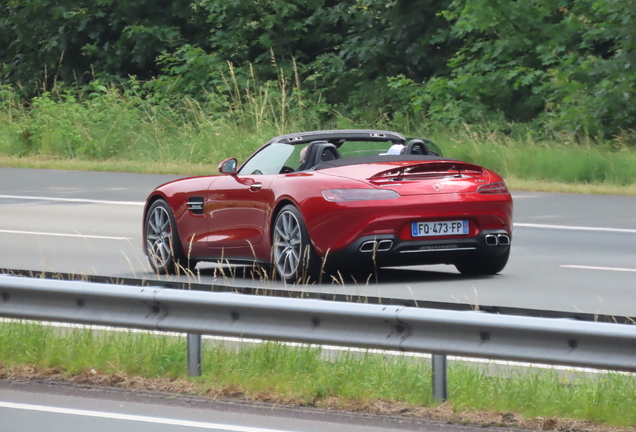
(570, 252)
(58, 407)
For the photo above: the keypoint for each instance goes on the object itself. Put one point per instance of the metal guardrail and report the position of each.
(474, 334)
(192, 284)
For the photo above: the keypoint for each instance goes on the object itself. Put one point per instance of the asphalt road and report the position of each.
(58, 407)
(570, 252)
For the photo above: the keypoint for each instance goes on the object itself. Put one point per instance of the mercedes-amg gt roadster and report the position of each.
(311, 202)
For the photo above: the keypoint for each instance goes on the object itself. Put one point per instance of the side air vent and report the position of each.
(195, 205)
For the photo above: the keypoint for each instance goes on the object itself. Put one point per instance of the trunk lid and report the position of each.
(409, 178)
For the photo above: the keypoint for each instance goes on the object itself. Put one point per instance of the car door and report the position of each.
(237, 205)
(236, 210)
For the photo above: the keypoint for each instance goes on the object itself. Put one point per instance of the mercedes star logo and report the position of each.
(438, 187)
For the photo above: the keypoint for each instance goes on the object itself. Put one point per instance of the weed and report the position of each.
(109, 128)
(310, 375)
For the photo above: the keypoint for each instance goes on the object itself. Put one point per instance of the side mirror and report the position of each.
(228, 166)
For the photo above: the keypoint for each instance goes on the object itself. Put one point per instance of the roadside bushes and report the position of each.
(552, 65)
(560, 66)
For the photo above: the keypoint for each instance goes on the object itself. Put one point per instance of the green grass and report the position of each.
(559, 162)
(302, 375)
(114, 130)
(607, 398)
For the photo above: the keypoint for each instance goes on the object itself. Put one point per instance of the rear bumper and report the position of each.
(389, 250)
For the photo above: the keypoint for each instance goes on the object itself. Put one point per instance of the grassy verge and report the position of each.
(186, 169)
(279, 373)
(129, 166)
(113, 130)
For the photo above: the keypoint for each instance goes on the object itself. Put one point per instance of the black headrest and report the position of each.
(416, 147)
(317, 152)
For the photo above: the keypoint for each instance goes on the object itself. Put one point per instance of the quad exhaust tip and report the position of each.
(367, 246)
(504, 239)
(384, 245)
(378, 246)
(497, 240)
(491, 240)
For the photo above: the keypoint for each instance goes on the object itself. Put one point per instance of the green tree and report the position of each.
(43, 41)
(565, 64)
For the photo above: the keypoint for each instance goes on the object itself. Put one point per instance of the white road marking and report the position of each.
(65, 235)
(599, 268)
(137, 418)
(72, 200)
(575, 228)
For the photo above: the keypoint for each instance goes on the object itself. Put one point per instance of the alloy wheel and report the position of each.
(159, 237)
(287, 244)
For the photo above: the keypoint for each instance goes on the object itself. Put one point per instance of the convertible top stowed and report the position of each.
(380, 158)
(338, 136)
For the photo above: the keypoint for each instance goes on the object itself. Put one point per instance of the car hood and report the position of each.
(417, 178)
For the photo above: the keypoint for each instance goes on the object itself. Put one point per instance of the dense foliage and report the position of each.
(551, 65)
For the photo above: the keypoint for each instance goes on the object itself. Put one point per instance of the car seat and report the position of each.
(318, 152)
(416, 147)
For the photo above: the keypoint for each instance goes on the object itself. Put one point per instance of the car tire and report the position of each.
(484, 265)
(163, 245)
(294, 258)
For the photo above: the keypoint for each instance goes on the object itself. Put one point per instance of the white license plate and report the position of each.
(442, 228)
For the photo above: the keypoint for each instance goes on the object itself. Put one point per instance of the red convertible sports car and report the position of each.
(309, 202)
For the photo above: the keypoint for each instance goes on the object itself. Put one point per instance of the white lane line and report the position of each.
(575, 228)
(599, 268)
(65, 235)
(137, 418)
(73, 200)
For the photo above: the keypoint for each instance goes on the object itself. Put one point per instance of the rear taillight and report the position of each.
(493, 188)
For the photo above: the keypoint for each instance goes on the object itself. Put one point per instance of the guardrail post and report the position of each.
(439, 377)
(194, 355)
